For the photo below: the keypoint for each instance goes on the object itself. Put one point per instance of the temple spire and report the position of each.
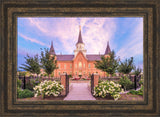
(80, 36)
(52, 52)
(108, 50)
(79, 27)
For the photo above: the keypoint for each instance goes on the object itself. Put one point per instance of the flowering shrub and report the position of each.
(105, 88)
(48, 88)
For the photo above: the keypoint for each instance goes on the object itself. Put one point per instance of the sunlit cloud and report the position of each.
(95, 32)
(33, 40)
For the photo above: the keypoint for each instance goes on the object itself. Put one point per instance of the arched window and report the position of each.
(64, 66)
(89, 65)
(80, 64)
(59, 66)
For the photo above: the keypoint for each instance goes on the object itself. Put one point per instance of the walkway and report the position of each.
(79, 91)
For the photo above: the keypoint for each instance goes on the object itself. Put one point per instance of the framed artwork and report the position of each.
(79, 36)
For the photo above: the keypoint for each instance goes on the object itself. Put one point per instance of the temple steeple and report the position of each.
(80, 36)
(108, 50)
(52, 52)
(80, 44)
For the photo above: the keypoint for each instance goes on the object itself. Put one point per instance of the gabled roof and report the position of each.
(51, 51)
(80, 36)
(108, 50)
(91, 57)
(65, 57)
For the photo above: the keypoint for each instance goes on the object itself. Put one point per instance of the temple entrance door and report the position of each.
(80, 74)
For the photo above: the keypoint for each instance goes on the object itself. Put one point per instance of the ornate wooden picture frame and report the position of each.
(10, 10)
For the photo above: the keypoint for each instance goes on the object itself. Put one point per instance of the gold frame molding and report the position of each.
(10, 10)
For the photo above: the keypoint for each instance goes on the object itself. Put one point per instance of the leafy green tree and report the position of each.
(127, 66)
(48, 62)
(108, 64)
(125, 81)
(31, 64)
(22, 73)
(137, 71)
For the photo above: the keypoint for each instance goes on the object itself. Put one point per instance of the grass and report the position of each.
(139, 92)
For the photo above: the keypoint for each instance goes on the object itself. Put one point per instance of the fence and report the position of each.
(92, 84)
(67, 84)
(109, 78)
(27, 81)
(133, 78)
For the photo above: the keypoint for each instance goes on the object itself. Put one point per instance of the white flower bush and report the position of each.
(48, 88)
(108, 88)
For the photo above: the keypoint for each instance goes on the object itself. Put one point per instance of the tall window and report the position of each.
(84, 65)
(59, 66)
(80, 64)
(89, 65)
(64, 66)
(70, 65)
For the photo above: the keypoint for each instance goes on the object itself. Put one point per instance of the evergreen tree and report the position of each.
(108, 64)
(127, 66)
(48, 62)
(31, 64)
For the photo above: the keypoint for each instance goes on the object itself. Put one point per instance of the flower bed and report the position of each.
(108, 88)
(48, 88)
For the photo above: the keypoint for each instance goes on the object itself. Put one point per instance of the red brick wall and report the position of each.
(73, 66)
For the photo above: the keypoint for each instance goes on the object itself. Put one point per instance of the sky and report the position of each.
(125, 36)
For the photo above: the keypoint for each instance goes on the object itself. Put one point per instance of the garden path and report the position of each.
(79, 91)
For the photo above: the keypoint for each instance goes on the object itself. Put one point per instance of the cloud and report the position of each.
(33, 40)
(134, 45)
(95, 32)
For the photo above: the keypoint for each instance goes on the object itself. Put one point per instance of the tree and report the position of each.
(137, 71)
(127, 66)
(48, 62)
(108, 64)
(31, 64)
(125, 81)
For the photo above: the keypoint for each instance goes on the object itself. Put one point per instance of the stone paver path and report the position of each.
(79, 91)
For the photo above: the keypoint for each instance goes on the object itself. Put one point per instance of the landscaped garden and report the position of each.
(123, 88)
(109, 90)
(39, 87)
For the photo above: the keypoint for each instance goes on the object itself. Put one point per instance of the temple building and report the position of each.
(79, 64)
